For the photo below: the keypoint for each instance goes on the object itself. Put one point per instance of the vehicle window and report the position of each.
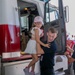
(53, 16)
(24, 22)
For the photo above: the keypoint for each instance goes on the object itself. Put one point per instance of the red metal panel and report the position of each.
(9, 38)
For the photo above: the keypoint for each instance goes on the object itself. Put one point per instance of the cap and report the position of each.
(38, 19)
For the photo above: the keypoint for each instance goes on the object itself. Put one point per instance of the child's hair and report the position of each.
(33, 25)
(37, 19)
(53, 30)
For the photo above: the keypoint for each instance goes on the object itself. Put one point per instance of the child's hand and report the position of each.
(68, 47)
(66, 53)
(47, 45)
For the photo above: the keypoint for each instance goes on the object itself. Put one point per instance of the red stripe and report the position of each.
(8, 34)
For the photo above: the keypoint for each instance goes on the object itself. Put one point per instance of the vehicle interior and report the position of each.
(27, 13)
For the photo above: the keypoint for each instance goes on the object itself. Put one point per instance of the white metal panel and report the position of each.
(8, 12)
(11, 54)
(16, 68)
(60, 60)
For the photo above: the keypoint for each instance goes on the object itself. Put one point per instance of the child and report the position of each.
(34, 43)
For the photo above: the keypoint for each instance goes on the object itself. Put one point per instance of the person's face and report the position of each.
(51, 36)
(38, 24)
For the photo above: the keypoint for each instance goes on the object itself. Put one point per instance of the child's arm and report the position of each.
(67, 54)
(37, 38)
(70, 49)
(70, 59)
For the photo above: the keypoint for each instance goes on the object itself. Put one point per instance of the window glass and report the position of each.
(24, 22)
(51, 15)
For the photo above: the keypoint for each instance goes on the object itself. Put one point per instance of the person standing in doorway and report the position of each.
(47, 59)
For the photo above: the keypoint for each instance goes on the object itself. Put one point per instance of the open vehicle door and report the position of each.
(54, 16)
